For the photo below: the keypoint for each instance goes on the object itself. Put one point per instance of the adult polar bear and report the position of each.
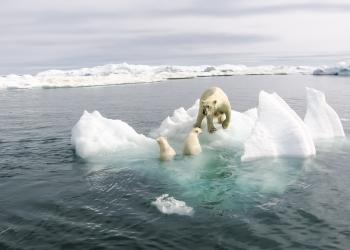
(214, 104)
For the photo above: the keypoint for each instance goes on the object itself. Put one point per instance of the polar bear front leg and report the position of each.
(200, 118)
(226, 123)
(210, 124)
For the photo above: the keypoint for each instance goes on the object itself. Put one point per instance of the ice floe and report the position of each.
(169, 205)
(272, 129)
(113, 74)
(123, 73)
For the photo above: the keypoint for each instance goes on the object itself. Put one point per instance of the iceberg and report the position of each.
(95, 136)
(169, 205)
(321, 119)
(278, 131)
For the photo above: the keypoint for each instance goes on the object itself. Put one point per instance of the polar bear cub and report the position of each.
(214, 103)
(192, 145)
(165, 150)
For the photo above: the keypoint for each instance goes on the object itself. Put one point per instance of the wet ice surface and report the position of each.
(52, 199)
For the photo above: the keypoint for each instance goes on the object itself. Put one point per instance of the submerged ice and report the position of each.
(272, 129)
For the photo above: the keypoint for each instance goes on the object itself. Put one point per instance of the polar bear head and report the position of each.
(209, 106)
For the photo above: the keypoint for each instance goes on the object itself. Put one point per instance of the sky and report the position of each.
(37, 35)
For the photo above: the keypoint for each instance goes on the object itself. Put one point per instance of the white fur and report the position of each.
(166, 152)
(214, 104)
(192, 145)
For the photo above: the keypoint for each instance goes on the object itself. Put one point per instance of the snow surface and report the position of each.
(278, 131)
(169, 205)
(321, 119)
(271, 130)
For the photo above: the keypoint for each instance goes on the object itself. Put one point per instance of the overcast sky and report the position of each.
(38, 35)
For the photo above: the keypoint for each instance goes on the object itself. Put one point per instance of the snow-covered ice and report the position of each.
(169, 205)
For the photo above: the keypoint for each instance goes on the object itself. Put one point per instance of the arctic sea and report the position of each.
(50, 198)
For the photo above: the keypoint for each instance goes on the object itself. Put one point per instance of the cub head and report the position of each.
(197, 131)
(209, 107)
(161, 140)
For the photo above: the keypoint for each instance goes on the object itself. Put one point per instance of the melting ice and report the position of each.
(272, 129)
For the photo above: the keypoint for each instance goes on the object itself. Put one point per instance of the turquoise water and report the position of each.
(52, 199)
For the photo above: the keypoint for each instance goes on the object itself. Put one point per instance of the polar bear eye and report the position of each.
(214, 102)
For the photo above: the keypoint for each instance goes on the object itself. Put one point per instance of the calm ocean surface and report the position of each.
(52, 199)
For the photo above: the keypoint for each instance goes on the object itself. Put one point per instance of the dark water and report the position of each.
(52, 199)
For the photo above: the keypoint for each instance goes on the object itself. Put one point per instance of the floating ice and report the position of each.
(271, 130)
(278, 131)
(94, 136)
(321, 119)
(112, 74)
(341, 69)
(169, 205)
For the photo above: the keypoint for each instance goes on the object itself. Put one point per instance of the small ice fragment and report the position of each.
(169, 205)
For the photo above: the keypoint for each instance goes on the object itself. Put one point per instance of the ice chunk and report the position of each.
(95, 136)
(169, 205)
(321, 119)
(278, 131)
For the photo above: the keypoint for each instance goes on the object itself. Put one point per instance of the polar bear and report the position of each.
(165, 150)
(192, 145)
(214, 104)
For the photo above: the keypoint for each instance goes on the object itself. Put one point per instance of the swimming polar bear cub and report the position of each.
(192, 145)
(166, 151)
(214, 104)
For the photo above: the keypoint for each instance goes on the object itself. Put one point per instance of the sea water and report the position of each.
(50, 198)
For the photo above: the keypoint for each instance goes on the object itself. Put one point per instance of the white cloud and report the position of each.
(156, 31)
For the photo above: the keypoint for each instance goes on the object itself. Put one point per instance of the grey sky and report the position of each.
(38, 35)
